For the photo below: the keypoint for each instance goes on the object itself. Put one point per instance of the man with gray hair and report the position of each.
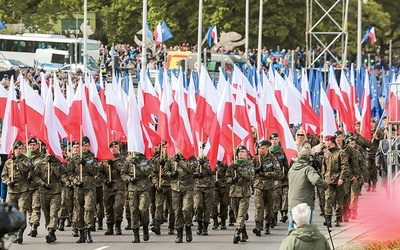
(304, 235)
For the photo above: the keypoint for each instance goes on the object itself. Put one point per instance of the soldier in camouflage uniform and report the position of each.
(14, 175)
(48, 176)
(136, 172)
(281, 187)
(239, 176)
(36, 157)
(220, 196)
(361, 179)
(266, 170)
(181, 172)
(85, 171)
(67, 194)
(114, 189)
(99, 207)
(162, 183)
(203, 194)
(335, 170)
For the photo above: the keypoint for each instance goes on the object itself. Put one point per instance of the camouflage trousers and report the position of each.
(164, 194)
(23, 200)
(346, 197)
(285, 198)
(202, 203)
(182, 204)
(355, 194)
(34, 212)
(240, 206)
(51, 204)
(114, 205)
(221, 198)
(139, 202)
(277, 196)
(67, 202)
(84, 208)
(152, 208)
(263, 202)
(127, 208)
(99, 202)
(372, 169)
(334, 199)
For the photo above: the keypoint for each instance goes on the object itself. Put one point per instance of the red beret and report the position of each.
(330, 138)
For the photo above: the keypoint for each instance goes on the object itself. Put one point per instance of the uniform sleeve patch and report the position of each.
(269, 165)
(143, 163)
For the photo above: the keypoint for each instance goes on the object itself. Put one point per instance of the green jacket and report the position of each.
(269, 165)
(307, 237)
(21, 169)
(241, 188)
(335, 165)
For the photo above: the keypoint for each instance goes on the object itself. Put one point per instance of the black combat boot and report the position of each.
(61, 224)
(128, 227)
(328, 221)
(205, 228)
(100, 223)
(74, 231)
(338, 220)
(245, 236)
(19, 236)
(236, 235)
(189, 236)
(156, 228)
(223, 224)
(199, 227)
(136, 236)
(93, 227)
(110, 229)
(88, 236)
(179, 235)
(170, 231)
(51, 236)
(267, 229)
(274, 220)
(258, 228)
(34, 231)
(118, 230)
(215, 223)
(68, 222)
(284, 216)
(81, 237)
(146, 235)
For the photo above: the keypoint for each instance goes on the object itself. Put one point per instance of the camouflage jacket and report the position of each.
(90, 168)
(49, 173)
(269, 165)
(185, 169)
(155, 175)
(220, 174)
(207, 176)
(140, 168)
(335, 165)
(112, 168)
(20, 169)
(242, 187)
(36, 158)
(283, 162)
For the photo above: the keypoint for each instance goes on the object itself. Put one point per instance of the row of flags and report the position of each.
(219, 116)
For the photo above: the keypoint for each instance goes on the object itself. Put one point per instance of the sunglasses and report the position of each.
(300, 135)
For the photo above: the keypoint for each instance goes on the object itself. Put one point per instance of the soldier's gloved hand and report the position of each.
(47, 186)
(235, 179)
(135, 160)
(234, 166)
(163, 161)
(217, 184)
(11, 184)
(178, 157)
(261, 173)
(257, 170)
(109, 183)
(133, 180)
(197, 175)
(202, 160)
(79, 184)
(70, 186)
(49, 159)
(174, 174)
(110, 162)
(82, 161)
(13, 157)
(29, 178)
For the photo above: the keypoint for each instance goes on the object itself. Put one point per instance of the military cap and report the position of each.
(75, 142)
(113, 143)
(264, 143)
(358, 122)
(85, 140)
(303, 154)
(17, 144)
(33, 140)
(273, 135)
(350, 139)
(241, 147)
(338, 132)
(62, 145)
(330, 138)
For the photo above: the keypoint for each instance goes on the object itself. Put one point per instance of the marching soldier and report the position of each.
(239, 176)
(48, 176)
(85, 171)
(266, 170)
(136, 172)
(15, 176)
(114, 189)
(203, 194)
(181, 172)
(220, 196)
(69, 179)
(67, 194)
(334, 170)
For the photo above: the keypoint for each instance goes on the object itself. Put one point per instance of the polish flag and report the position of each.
(214, 35)
(73, 123)
(366, 130)
(336, 99)
(44, 88)
(192, 104)
(61, 108)
(346, 93)
(305, 87)
(3, 100)
(393, 105)
(12, 124)
(327, 117)
(116, 114)
(353, 97)
(70, 93)
(241, 122)
(147, 100)
(135, 136)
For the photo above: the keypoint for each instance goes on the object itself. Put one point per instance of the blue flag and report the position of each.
(148, 33)
(375, 94)
(316, 94)
(166, 34)
(208, 36)
(2, 25)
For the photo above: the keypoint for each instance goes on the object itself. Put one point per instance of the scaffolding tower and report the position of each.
(315, 34)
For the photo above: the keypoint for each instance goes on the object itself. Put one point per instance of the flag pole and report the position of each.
(144, 40)
(246, 43)
(199, 34)
(359, 35)
(259, 37)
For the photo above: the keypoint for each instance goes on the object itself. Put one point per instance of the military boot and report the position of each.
(205, 228)
(156, 228)
(136, 236)
(284, 217)
(74, 231)
(88, 235)
(236, 235)
(68, 222)
(118, 230)
(18, 239)
(354, 214)
(215, 223)
(179, 235)
(110, 229)
(258, 228)
(373, 187)
(274, 220)
(189, 236)
(93, 227)
(51, 236)
(128, 227)
(34, 231)
(328, 221)
(61, 225)
(100, 224)
(223, 224)
(170, 231)
(81, 237)
(146, 235)
(338, 220)
(199, 227)
(245, 236)
(267, 228)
